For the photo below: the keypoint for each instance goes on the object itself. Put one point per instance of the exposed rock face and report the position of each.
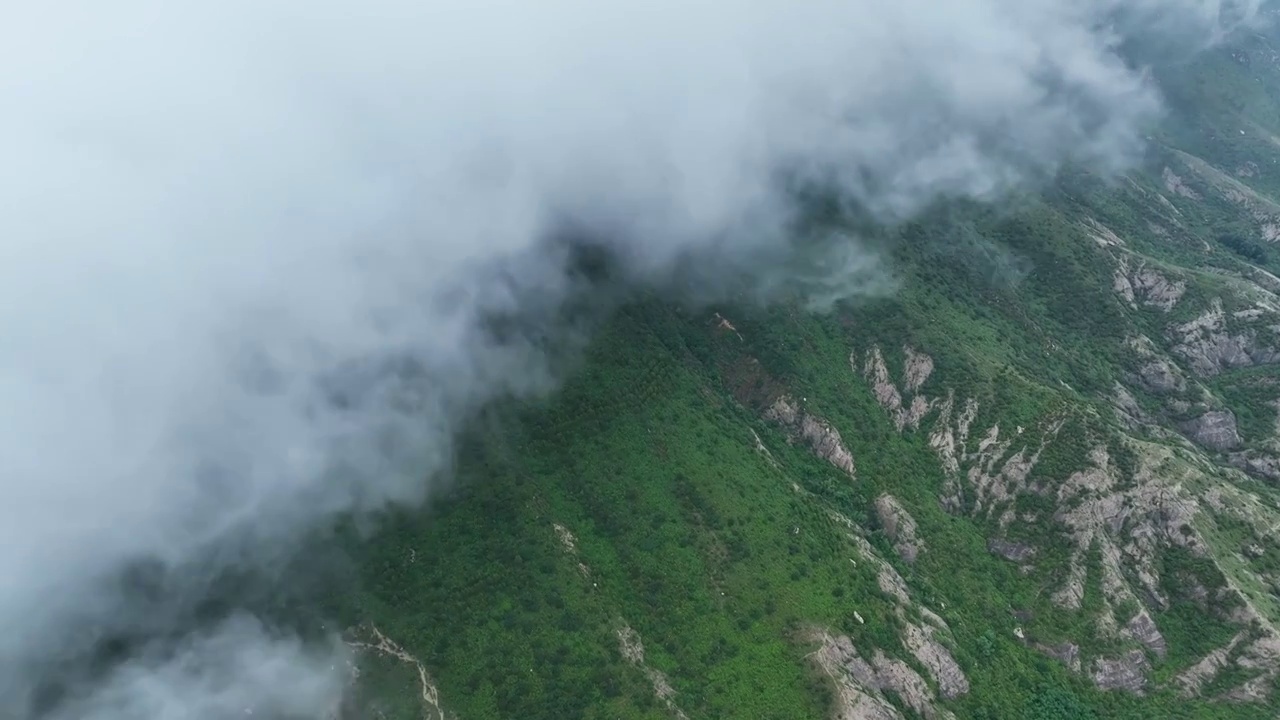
(877, 373)
(1130, 527)
(1071, 595)
(922, 640)
(1067, 653)
(915, 412)
(1210, 347)
(1102, 234)
(1017, 552)
(1213, 352)
(1143, 629)
(898, 677)
(1208, 668)
(428, 692)
(1266, 467)
(1262, 209)
(1159, 376)
(892, 584)
(1127, 407)
(899, 527)
(1251, 691)
(1263, 656)
(632, 649)
(818, 434)
(950, 434)
(1265, 280)
(1142, 282)
(995, 476)
(860, 684)
(1174, 184)
(951, 680)
(917, 367)
(1128, 672)
(1213, 430)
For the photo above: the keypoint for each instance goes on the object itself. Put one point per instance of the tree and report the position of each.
(1052, 703)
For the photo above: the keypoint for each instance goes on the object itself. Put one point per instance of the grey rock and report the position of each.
(1068, 653)
(1127, 407)
(1127, 672)
(1266, 467)
(1142, 282)
(1213, 352)
(1159, 377)
(942, 667)
(1016, 552)
(1143, 629)
(818, 434)
(1214, 430)
(899, 527)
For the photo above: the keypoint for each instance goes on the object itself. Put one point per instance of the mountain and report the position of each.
(1040, 478)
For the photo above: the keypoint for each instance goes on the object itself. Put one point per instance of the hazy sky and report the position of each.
(216, 215)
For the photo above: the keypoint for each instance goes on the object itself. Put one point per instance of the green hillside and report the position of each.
(1039, 480)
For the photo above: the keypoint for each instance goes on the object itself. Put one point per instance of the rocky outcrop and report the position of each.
(1143, 629)
(896, 676)
(1130, 525)
(1261, 658)
(1159, 376)
(1102, 234)
(1211, 353)
(1262, 654)
(917, 367)
(1140, 282)
(942, 667)
(1262, 209)
(816, 433)
(1066, 652)
(922, 639)
(1214, 430)
(1266, 467)
(951, 433)
(1127, 672)
(877, 373)
(632, 650)
(1208, 668)
(899, 527)
(892, 584)
(1127, 408)
(996, 476)
(1177, 186)
(378, 643)
(1013, 551)
(1209, 346)
(860, 684)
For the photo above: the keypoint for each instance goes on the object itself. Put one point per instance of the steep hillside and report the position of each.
(1040, 480)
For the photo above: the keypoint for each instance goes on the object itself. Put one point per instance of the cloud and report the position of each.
(252, 249)
(237, 670)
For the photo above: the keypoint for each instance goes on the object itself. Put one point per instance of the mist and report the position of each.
(251, 251)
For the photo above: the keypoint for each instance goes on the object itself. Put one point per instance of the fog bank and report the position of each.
(249, 247)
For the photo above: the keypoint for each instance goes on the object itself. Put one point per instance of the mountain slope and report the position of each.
(1039, 480)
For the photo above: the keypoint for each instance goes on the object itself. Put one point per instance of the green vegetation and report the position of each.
(651, 492)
